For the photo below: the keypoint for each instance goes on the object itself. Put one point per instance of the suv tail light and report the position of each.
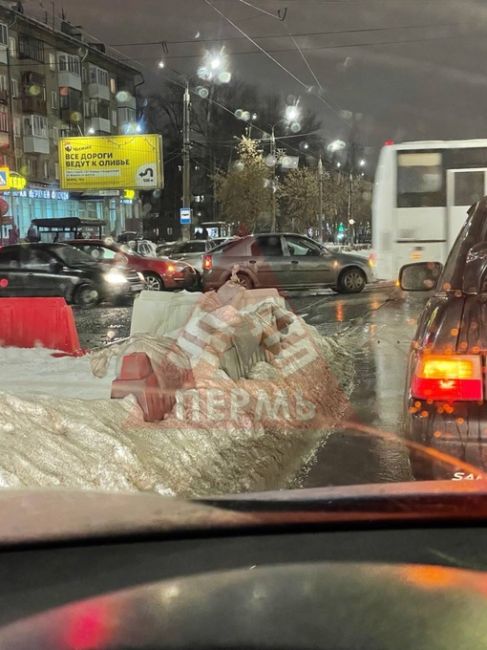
(207, 262)
(450, 378)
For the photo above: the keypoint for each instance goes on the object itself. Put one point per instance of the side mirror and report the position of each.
(55, 266)
(422, 276)
(475, 268)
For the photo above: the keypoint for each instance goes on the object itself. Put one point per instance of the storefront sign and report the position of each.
(111, 162)
(39, 194)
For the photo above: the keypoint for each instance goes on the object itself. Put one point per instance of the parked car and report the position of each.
(192, 251)
(446, 396)
(59, 270)
(159, 274)
(285, 261)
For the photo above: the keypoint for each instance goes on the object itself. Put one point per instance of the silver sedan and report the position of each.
(285, 261)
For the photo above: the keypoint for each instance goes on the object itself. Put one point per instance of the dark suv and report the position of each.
(61, 270)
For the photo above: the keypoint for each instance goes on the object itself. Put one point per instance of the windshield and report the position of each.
(253, 178)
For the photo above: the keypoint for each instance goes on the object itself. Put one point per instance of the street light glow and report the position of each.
(362, 163)
(292, 113)
(339, 164)
(215, 62)
(91, 131)
(336, 145)
(161, 64)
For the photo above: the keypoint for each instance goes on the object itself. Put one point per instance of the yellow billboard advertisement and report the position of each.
(115, 162)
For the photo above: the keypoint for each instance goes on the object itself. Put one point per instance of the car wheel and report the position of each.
(86, 296)
(153, 282)
(351, 280)
(245, 281)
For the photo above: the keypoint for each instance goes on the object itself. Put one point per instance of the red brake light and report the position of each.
(449, 378)
(388, 143)
(207, 262)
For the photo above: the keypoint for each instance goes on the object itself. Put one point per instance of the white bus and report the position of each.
(421, 196)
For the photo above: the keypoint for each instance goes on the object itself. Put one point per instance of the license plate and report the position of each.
(137, 287)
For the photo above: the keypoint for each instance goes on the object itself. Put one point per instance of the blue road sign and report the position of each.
(184, 216)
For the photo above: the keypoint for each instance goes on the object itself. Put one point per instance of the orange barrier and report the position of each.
(154, 387)
(33, 322)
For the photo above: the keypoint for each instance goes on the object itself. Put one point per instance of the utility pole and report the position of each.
(350, 187)
(320, 181)
(186, 229)
(273, 186)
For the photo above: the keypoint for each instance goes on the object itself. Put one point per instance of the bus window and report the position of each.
(419, 180)
(469, 187)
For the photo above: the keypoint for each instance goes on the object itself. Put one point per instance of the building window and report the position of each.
(3, 82)
(15, 88)
(114, 118)
(3, 119)
(86, 106)
(69, 63)
(31, 48)
(3, 35)
(35, 125)
(53, 99)
(92, 108)
(69, 98)
(55, 133)
(52, 60)
(84, 75)
(126, 115)
(56, 171)
(12, 46)
(98, 75)
(113, 85)
(17, 127)
(104, 110)
(46, 169)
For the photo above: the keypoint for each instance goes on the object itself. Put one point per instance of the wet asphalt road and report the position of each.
(377, 326)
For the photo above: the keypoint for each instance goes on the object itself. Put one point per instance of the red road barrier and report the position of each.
(154, 388)
(32, 322)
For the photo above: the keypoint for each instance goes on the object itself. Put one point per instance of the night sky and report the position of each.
(425, 77)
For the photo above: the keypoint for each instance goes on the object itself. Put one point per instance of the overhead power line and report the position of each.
(294, 34)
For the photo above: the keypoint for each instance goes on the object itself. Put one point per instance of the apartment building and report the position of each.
(55, 83)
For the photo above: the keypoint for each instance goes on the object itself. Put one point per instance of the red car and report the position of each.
(159, 273)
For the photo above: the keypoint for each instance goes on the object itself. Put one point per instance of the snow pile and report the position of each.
(247, 428)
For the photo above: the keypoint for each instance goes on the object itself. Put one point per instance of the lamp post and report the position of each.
(320, 187)
(186, 199)
(291, 117)
(212, 70)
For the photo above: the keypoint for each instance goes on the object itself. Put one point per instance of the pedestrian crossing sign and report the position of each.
(4, 178)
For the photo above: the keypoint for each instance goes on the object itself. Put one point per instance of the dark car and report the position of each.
(446, 396)
(285, 261)
(61, 270)
(159, 274)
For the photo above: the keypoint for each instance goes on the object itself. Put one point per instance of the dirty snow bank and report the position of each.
(223, 435)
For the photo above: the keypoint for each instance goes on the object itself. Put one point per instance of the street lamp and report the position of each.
(362, 163)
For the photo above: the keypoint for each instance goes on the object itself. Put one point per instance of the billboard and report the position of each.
(111, 162)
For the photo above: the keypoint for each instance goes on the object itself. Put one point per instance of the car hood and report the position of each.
(41, 515)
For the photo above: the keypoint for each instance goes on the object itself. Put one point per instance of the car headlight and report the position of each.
(115, 277)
